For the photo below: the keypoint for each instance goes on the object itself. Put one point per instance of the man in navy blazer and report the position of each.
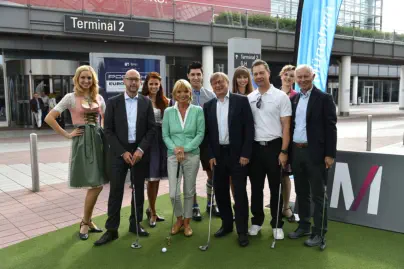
(314, 136)
(230, 135)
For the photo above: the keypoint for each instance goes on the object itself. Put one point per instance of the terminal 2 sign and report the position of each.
(103, 26)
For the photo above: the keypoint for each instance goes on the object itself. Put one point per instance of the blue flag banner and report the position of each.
(319, 20)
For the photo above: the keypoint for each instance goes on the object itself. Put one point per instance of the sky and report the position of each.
(393, 15)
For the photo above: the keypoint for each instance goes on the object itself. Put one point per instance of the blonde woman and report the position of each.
(183, 132)
(86, 168)
(287, 75)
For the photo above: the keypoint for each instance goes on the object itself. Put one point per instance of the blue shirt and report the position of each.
(131, 114)
(197, 95)
(300, 133)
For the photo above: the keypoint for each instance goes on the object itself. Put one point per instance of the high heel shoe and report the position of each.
(148, 213)
(176, 228)
(83, 236)
(152, 223)
(94, 228)
(291, 217)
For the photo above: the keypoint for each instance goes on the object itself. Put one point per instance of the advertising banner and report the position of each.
(111, 69)
(366, 189)
(319, 20)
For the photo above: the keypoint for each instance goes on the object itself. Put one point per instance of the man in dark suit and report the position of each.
(230, 134)
(314, 136)
(129, 129)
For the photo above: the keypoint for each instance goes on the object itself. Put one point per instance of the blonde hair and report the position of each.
(180, 85)
(221, 75)
(287, 68)
(93, 88)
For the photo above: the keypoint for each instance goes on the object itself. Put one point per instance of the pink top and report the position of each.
(292, 93)
(78, 112)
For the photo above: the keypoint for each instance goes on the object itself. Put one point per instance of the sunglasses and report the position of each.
(259, 102)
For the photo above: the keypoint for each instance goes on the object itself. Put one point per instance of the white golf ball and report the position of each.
(163, 250)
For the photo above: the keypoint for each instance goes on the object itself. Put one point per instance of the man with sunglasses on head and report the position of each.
(272, 111)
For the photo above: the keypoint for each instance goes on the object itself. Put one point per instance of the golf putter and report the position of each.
(205, 247)
(136, 244)
(323, 244)
(175, 202)
(277, 215)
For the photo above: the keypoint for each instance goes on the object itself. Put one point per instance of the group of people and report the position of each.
(234, 133)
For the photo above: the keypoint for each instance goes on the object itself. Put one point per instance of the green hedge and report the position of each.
(268, 22)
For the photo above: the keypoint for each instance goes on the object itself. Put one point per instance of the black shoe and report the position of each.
(222, 232)
(299, 233)
(313, 241)
(83, 236)
(94, 229)
(160, 218)
(243, 240)
(196, 214)
(107, 237)
(215, 210)
(141, 230)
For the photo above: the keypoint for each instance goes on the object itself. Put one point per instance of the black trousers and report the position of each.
(227, 166)
(265, 163)
(119, 170)
(309, 180)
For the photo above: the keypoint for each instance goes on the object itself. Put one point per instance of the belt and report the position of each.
(224, 146)
(264, 143)
(301, 145)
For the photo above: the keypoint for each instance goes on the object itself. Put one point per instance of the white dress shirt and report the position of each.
(131, 114)
(222, 112)
(275, 104)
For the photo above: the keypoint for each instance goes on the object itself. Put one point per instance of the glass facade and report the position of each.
(364, 14)
(369, 90)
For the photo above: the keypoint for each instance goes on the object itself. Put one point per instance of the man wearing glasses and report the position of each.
(129, 128)
(272, 111)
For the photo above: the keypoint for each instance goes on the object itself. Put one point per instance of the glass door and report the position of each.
(369, 95)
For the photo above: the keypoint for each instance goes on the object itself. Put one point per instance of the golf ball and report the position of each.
(163, 250)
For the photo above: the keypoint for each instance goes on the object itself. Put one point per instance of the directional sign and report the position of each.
(245, 59)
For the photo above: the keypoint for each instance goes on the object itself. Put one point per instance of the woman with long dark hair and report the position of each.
(158, 160)
(242, 83)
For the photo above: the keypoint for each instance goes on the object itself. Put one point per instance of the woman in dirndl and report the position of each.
(87, 164)
(153, 89)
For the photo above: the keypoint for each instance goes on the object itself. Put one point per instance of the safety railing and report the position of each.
(200, 12)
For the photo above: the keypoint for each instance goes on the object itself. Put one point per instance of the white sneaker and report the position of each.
(254, 230)
(278, 234)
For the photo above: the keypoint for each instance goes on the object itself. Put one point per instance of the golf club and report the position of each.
(136, 244)
(323, 244)
(175, 202)
(205, 247)
(277, 215)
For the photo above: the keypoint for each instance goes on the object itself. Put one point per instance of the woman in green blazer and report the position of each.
(183, 132)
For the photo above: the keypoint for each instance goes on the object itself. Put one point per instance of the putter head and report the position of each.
(204, 248)
(136, 245)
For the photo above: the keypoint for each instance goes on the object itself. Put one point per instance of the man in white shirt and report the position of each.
(229, 135)
(272, 111)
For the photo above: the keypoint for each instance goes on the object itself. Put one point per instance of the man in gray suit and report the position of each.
(200, 96)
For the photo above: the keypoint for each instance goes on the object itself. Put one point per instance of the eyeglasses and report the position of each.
(133, 79)
(259, 102)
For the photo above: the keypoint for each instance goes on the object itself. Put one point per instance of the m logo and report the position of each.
(342, 180)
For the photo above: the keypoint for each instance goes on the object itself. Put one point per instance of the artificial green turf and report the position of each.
(348, 246)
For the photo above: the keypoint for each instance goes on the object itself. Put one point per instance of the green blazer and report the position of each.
(191, 136)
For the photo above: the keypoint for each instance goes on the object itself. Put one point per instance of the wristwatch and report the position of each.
(284, 151)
